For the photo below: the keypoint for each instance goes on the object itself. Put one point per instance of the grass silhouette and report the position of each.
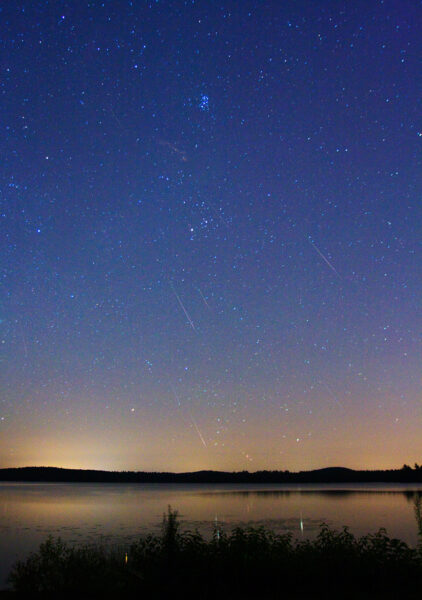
(245, 563)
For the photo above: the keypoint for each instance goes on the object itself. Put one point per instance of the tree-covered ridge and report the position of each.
(406, 474)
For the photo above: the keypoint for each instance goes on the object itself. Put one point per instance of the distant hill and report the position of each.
(326, 475)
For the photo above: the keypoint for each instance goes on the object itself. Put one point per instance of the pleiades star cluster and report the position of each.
(211, 226)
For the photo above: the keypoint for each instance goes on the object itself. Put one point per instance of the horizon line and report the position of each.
(404, 467)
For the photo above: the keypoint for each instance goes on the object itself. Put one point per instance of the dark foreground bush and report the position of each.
(243, 564)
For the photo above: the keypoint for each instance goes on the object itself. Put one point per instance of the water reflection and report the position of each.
(120, 513)
(418, 513)
(408, 494)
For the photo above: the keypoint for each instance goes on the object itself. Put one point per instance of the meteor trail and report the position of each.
(330, 391)
(24, 341)
(204, 299)
(217, 213)
(176, 396)
(183, 307)
(197, 430)
(192, 420)
(324, 258)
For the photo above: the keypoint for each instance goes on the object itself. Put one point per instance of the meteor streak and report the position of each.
(324, 258)
(176, 396)
(217, 213)
(204, 299)
(197, 430)
(24, 341)
(183, 307)
(192, 420)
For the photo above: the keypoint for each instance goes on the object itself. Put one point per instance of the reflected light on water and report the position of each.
(102, 513)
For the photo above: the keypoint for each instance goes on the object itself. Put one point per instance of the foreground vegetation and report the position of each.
(244, 563)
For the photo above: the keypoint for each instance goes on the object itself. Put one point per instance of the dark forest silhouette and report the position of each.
(406, 474)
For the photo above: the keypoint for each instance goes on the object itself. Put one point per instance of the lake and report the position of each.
(119, 513)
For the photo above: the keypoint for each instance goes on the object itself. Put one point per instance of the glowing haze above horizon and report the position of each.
(210, 234)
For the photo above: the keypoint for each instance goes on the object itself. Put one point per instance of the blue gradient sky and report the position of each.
(210, 234)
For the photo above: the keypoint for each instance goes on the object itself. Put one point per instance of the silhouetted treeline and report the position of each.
(406, 474)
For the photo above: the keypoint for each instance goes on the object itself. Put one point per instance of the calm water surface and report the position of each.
(119, 513)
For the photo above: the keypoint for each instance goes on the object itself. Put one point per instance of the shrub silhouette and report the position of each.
(247, 562)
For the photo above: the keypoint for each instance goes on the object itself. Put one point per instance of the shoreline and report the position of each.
(330, 475)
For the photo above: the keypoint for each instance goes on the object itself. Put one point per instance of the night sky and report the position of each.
(211, 228)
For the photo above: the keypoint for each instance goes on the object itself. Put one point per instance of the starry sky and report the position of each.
(210, 234)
